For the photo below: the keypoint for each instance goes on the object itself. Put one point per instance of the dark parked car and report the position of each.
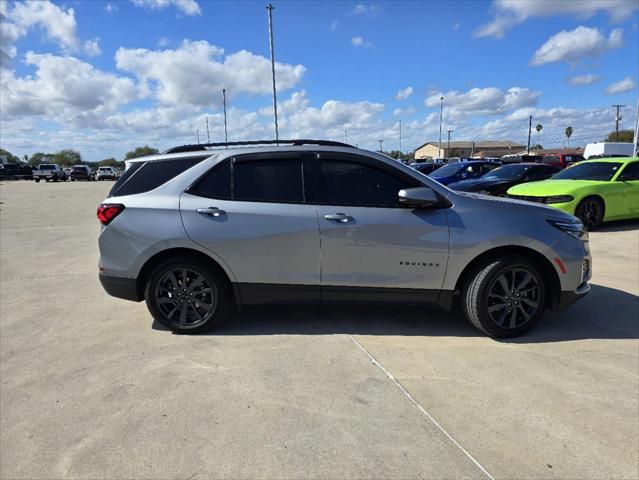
(426, 168)
(15, 171)
(458, 171)
(82, 172)
(498, 181)
(524, 158)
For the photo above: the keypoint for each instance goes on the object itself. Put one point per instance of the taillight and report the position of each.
(108, 211)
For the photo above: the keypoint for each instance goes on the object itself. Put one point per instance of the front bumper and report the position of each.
(121, 287)
(568, 298)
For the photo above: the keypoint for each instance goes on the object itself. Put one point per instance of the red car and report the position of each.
(561, 160)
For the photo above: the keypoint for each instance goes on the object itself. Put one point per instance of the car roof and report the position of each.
(613, 159)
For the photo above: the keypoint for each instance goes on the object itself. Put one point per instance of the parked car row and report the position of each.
(595, 191)
(52, 172)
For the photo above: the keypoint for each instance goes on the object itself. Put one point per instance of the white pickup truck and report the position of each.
(48, 172)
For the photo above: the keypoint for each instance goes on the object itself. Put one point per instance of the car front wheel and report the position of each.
(186, 296)
(591, 212)
(505, 297)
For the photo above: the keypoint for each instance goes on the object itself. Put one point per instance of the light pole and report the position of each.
(226, 135)
(441, 111)
(208, 136)
(269, 7)
(345, 132)
(448, 147)
(381, 143)
(400, 140)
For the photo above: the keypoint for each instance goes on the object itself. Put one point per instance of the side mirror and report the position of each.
(423, 197)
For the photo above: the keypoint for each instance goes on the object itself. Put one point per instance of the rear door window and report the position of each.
(146, 176)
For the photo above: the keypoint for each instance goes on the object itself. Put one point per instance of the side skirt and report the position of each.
(269, 293)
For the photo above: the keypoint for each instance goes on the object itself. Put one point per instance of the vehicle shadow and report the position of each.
(619, 226)
(591, 318)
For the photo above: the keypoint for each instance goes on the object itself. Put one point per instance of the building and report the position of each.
(467, 149)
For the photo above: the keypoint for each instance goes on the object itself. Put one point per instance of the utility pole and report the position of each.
(618, 117)
(448, 148)
(441, 111)
(529, 130)
(226, 135)
(345, 132)
(381, 143)
(472, 149)
(400, 140)
(208, 136)
(269, 7)
(636, 138)
(197, 132)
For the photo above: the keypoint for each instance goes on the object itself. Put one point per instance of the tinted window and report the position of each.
(216, 183)
(602, 171)
(144, 177)
(349, 183)
(268, 181)
(631, 172)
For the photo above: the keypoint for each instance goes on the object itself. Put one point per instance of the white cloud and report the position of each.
(334, 25)
(196, 72)
(64, 88)
(58, 24)
(92, 47)
(359, 42)
(164, 42)
(111, 7)
(482, 101)
(624, 85)
(572, 46)
(456, 27)
(509, 13)
(188, 7)
(369, 9)
(403, 111)
(404, 93)
(584, 79)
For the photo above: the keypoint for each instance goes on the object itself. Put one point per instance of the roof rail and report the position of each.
(203, 146)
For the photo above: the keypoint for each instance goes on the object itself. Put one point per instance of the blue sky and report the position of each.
(103, 77)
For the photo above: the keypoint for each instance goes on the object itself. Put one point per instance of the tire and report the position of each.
(591, 212)
(37, 180)
(166, 305)
(505, 310)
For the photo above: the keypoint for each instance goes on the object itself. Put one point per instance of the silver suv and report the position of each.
(198, 229)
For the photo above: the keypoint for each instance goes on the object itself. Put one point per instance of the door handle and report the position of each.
(211, 211)
(338, 217)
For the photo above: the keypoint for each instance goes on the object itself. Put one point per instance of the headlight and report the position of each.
(574, 229)
(559, 199)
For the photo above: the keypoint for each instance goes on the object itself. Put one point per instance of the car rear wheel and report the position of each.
(505, 297)
(186, 296)
(37, 180)
(591, 212)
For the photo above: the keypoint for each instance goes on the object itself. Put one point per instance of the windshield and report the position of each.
(508, 172)
(601, 171)
(448, 170)
(47, 167)
(78, 169)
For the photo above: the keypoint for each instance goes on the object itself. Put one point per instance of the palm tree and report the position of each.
(538, 127)
(568, 134)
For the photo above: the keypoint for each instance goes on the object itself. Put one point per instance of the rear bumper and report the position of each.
(567, 298)
(121, 287)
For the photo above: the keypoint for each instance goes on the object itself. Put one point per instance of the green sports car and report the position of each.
(594, 190)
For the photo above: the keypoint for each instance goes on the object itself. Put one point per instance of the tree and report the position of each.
(537, 146)
(568, 134)
(110, 162)
(39, 157)
(538, 127)
(627, 136)
(67, 157)
(10, 157)
(141, 152)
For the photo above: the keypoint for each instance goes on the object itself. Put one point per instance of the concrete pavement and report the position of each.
(90, 387)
